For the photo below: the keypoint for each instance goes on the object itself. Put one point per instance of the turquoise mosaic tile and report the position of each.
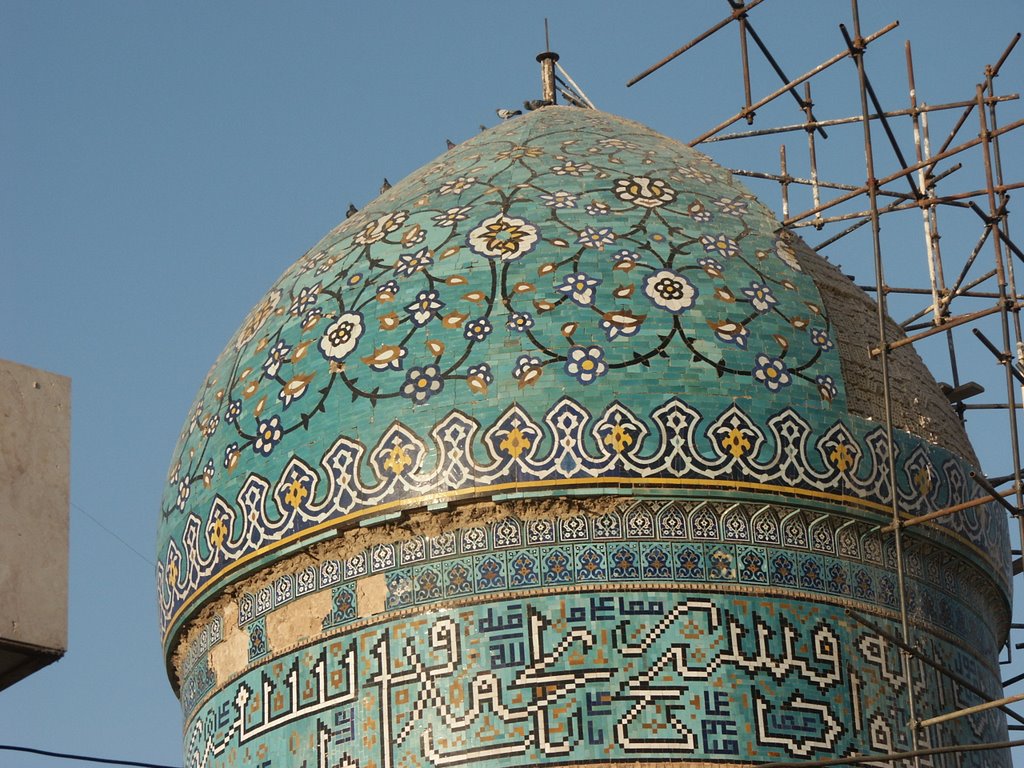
(258, 645)
(450, 342)
(486, 330)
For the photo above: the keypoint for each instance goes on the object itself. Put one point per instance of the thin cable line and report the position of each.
(101, 525)
(68, 756)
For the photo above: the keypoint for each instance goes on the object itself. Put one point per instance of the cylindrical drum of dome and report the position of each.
(563, 452)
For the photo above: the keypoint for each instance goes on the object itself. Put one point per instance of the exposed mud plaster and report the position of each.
(918, 405)
(371, 592)
(299, 621)
(233, 651)
(231, 655)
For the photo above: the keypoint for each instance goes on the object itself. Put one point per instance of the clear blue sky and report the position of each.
(162, 163)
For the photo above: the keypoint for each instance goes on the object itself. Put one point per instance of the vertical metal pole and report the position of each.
(934, 240)
(929, 214)
(872, 185)
(933, 215)
(746, 67)
(785, 181)
(548, 91)
(809, 115)
(990, 74)
(925, 190)
(1004, 303)
(1003, 224)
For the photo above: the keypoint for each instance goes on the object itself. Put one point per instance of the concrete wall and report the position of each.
(35, 428)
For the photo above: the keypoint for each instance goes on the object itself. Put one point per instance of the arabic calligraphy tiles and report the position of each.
(692, 629)
(623, 675)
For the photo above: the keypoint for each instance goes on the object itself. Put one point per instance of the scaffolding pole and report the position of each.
(945, 311)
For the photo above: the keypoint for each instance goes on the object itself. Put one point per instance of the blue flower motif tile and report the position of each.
(689, 562)
(399, 589)
(783, 571)
(428, 584)
(590, 562)
(623, 561)
(558, 566)
(458, 577)
(489, 572)
(523, 568)
(753, 565)
(656, 560)
(258, 645)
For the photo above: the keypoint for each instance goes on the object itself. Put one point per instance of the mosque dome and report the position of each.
(568, 305)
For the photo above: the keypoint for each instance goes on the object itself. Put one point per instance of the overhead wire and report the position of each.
(112, 533)
(85, 758)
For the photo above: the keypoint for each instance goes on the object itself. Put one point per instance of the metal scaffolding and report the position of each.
(970, 299)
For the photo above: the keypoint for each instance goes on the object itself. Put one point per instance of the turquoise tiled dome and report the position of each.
(568, 303)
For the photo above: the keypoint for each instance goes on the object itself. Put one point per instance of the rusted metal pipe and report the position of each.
(745, 62)
(999, 64)
(944, 512)
(923, 108)
(927, 292)
(994, 223)
(1011, 371)
(971, 259)
(839, 236)
(947, 297)
(803, 104)
(926, 188)
(981, 480)
(784, 180)
(699, 38)
(870, 91)
(885, 180)
(946, 325)
(791, 84)
(945, 671)
(856, 51)
(954, 201)
(891, 208)
(812, 155)
(968, 711)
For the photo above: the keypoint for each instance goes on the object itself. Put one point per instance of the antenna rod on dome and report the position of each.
(547, 61)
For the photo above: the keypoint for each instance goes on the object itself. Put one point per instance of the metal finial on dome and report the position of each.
(547, 61)
(552, 84)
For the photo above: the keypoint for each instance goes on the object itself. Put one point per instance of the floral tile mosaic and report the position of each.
(567, 297)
